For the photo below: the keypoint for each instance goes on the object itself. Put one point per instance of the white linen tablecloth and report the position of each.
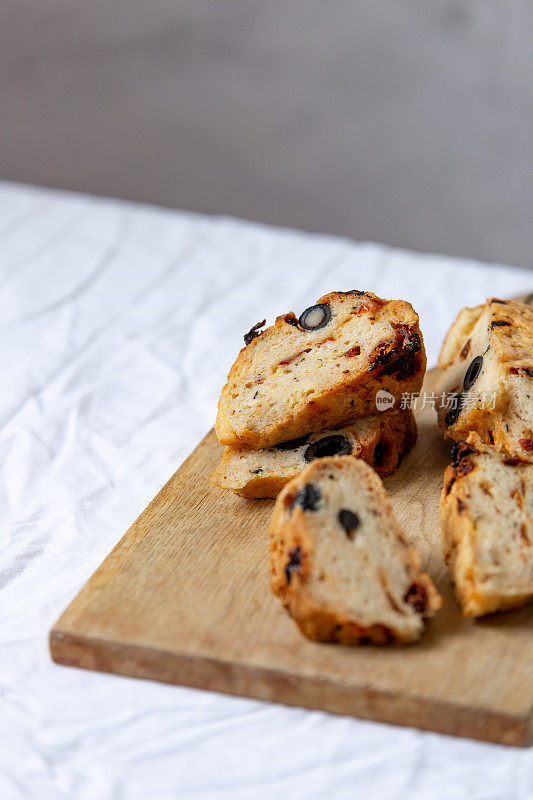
(118, 325)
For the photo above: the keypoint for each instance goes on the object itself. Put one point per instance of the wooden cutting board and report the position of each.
(184, 597)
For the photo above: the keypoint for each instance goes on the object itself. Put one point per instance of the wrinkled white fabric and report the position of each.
(118, 324)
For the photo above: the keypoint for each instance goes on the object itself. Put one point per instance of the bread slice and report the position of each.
(381, 440)
(486, 525)
(320, 371)
(487, 362)
(339, 560)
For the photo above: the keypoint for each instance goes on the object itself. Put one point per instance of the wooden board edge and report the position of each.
(245, 680)
(161, 492)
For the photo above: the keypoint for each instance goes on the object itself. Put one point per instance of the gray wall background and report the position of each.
(404, 121)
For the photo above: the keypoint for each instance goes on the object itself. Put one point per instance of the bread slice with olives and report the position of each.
(382, 440)
(320, 371)
(486, 525)
(339, 561)
(486, 388)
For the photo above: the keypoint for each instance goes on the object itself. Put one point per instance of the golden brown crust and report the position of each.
(456, 342)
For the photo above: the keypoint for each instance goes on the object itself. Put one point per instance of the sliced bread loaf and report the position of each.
(339, 560)
(486, 388)
(382, 440)
(486, 525)
(321, 370)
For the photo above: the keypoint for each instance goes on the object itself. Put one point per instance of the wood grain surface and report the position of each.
(184, 598)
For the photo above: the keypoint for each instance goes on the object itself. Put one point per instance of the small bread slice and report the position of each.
(382, 440)
(486, 386)
(486, 525)
(339, 560)
(320, 371)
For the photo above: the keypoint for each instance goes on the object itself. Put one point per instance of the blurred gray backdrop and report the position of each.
(403, 121)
